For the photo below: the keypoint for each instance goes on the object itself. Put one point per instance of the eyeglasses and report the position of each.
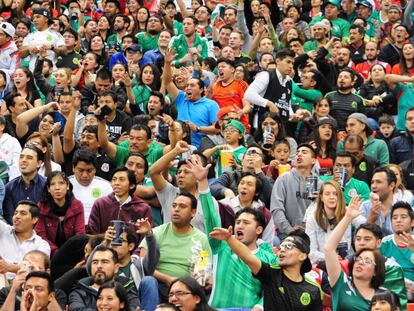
(364, 261)
(179, 294)
(287, 246)
(229, 131)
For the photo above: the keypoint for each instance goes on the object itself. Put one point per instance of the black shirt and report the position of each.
(70, 60)
(121, 124)
(280, 293)
(104, 165)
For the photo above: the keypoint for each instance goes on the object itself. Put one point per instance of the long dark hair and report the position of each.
(403, 62)
(120, 292)
(273, 115)
(330, 145)
(195, 290)
(156, 84)
(48, 199)
(30, 85)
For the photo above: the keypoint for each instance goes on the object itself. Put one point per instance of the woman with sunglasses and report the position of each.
(188, 295)
(61, 215)
(367, 269)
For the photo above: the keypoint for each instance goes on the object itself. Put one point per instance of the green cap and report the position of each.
(335, 3)
(236, 124)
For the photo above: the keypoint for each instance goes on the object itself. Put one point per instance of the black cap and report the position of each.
(44, 13)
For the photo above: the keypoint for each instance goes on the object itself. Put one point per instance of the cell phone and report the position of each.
(105, 110)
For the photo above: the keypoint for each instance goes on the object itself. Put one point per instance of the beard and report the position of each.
(101, 278)
(344, 88)
(153, 32)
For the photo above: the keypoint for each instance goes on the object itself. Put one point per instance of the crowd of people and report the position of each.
(206, 155)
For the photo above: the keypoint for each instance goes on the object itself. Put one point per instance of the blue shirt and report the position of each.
(202, 112)
(16, 191)
(153, 56)
(383, 221)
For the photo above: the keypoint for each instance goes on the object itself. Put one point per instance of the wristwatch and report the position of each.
(198, 129)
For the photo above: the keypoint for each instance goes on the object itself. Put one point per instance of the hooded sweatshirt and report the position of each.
(108, 208)
(289, 201)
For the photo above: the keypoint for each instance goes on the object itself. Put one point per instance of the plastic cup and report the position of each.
(283, 168)
(226, 156)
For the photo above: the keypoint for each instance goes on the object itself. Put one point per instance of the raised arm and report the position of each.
(331, 257)
(392, 80)
(106, 145)
(23, 120)
(238, 248)
(57, 144)
(167, 74)
(68, 132)
(159, 166)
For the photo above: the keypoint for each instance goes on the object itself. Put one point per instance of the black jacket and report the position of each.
(364, 170)
(83, 297)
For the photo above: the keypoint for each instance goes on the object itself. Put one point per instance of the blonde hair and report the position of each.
(320, 214)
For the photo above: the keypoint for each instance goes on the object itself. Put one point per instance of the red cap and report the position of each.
(225, 110)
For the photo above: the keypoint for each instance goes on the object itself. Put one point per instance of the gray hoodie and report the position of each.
(289, 201)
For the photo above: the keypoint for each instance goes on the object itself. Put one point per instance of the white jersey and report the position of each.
(40, 38)
(98, 188)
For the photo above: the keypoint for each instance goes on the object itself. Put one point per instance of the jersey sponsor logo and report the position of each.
(96, 193)
(305, 299)
(49, 38)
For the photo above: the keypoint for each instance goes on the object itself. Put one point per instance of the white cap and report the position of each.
(7, 28)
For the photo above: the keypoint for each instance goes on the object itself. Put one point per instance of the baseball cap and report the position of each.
(303, 247)
(8, 29)
(320, 25)
(134, 48)
(222, 112)
(394, 7)
(327, 120)
(334, 2)
(45, 13)
(236, 124)
(363, 119)
(366, 3)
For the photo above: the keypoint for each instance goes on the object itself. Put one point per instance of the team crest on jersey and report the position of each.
(354, 105)
(352, 193)
(363, 166)
(96, 193)
(305, 299)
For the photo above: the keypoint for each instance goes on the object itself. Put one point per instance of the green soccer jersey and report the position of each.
(153, 153)
(353, 187)
(394, 281)
(238, 155)
(230, 272)
(403, 256)
(147, 41)
(181, 47)
(142, 94)
(346, 297)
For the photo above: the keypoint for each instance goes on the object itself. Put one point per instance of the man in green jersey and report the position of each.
(230, 273)
(399, 246)
(352, 186)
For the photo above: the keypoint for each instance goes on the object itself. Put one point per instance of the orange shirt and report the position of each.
(397, 71)
(231, 96)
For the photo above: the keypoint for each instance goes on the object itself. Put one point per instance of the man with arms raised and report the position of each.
(249, 226)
